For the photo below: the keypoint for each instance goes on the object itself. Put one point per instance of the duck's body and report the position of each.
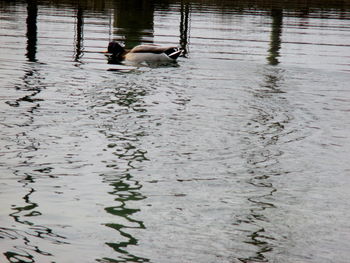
(143, 53)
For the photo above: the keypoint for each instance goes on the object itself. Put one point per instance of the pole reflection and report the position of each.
(24, 229)
(133, 21)
(184, 26)
(32, 14)
(126, 191)
(79, 35)
(262, 155)
(24, 215)
(128, 158)
(275, 39)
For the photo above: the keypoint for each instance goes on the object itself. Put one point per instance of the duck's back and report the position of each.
(152, 53)
(139, 57)
(156, 49)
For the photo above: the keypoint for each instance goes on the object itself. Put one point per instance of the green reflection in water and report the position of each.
(126, 190)
(133, 20)
(127, 155)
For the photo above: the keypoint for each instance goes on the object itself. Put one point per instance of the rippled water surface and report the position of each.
(237, 153)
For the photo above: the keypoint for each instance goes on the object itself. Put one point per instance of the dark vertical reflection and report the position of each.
(275, 41)
(133, 21)
(126, 191)
(31, 74)
(304, 17)
(79, 36)
(23, 214)
(184, 26)
(24, 228)
(32, 13)
(262, 155)
(128, 157)
(28, 234)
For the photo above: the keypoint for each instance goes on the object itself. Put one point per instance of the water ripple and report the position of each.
(225, 156)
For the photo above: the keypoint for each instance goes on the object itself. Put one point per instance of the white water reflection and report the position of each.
(237, 154)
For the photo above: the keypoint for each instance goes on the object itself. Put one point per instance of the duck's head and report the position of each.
(115, 49)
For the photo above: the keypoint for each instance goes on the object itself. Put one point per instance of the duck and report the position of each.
(148, 53)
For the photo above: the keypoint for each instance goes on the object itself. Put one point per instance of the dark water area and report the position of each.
(239, 152)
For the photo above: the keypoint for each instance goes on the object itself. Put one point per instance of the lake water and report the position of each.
(238, 153)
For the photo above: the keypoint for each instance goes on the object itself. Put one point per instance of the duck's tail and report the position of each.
(173, 52)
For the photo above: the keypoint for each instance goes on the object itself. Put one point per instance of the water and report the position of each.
(239, 153)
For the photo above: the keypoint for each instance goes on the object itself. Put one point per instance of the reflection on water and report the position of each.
(123, 144)
(126, 190)
(184, 26)
(134, 21)
(267, 125)
(79, 37)
(277, 18)
(224, 158)
(22, 215)
(32, 13)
